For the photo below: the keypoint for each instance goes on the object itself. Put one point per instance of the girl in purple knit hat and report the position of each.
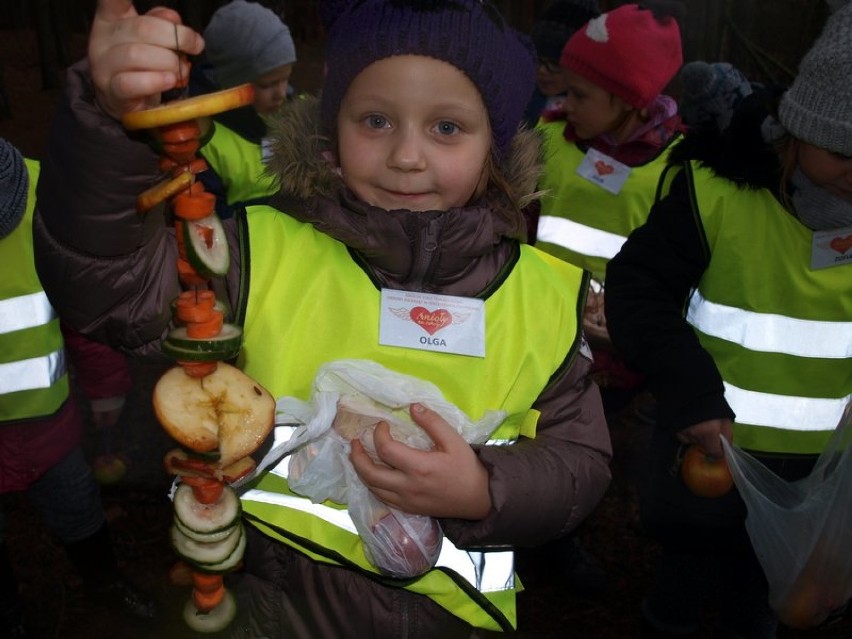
(402, 191)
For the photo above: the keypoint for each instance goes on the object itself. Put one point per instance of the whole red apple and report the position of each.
(704, 475)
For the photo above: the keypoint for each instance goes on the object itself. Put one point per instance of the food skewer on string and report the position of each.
(216, 413)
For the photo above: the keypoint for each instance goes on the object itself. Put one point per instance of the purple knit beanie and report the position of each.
(469, 34)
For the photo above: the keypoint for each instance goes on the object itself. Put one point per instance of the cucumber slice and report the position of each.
(205, 553)
(231, 562)
(213, 621)
(224, 346)
(205, 538)
(207, 246)
(206, 518)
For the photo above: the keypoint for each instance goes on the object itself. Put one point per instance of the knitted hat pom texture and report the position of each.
(817, 108)
(245, 40)
(14, 184)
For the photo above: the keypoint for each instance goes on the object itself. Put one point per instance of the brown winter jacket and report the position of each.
(111, 273)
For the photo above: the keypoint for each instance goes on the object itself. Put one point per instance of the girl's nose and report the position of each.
(406, 152)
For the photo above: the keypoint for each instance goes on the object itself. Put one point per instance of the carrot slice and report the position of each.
(194, 206)
(195, 306)
(209, 328)
(179, 131)
(188, 275)
(206, 601)
(197, 370)
(181, 151)
(205, 491)
(206, 582)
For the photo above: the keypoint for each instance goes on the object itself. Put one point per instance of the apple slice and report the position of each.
(190, 108)
(226, 409)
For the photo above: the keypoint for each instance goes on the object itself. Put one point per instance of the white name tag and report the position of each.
(429, 322)
(607, 173)
(831, 248)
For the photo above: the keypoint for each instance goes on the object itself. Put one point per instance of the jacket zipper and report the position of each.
(427, 249)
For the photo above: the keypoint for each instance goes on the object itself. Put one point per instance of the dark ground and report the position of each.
(140, 513)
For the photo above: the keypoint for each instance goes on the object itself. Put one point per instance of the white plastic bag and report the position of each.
(349, 398)
(802, 530)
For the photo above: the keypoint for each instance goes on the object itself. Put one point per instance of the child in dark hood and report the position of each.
(735, 298)
(407, 182)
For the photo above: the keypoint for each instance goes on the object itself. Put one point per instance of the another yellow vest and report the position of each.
(33, 374)
(779, 332)
(580, 222)
(309, 302)
(239, 164)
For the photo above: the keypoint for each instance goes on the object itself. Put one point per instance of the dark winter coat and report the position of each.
(645, 319)
(112, 274)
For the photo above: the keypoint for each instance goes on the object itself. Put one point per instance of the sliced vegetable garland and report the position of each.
(207, 532)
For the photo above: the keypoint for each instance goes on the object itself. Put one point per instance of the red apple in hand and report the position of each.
(109, 469)
(403, 550)
(704, 475)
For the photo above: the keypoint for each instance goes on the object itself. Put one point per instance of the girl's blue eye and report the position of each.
(376, 121)
(447, 128)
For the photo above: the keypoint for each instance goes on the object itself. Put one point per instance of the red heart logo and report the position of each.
(431, 321)
(841, 244)
(603, 168)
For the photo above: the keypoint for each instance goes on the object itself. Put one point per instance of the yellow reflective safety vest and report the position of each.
(309, 302)
(779, 332)
(33, 373)
(580, 222)
(239, 164)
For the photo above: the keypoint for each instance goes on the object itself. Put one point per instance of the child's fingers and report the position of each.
(438, 429)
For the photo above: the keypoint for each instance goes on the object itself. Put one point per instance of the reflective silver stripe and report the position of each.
(579, 238)
(783, 411)
(768, 333)
(31, 374)
(488, 571)
(25, 311)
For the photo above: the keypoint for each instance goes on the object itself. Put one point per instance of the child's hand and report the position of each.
(133, 58)
(706, 434)
(447, 481)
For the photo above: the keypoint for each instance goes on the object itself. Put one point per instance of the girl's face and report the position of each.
(270, 89)
(827, 170)
(413, 133)
(593, 111)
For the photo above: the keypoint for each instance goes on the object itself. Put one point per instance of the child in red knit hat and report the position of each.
(606, 150)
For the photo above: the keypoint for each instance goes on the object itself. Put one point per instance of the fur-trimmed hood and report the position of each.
(740, 153)
(459, 252)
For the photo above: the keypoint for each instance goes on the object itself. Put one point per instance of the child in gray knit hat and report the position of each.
(244, 42)
(736, 298)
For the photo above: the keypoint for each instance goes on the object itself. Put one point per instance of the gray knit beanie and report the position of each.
(244, 40)
(710, 92)
(817, 109)
(14, 182)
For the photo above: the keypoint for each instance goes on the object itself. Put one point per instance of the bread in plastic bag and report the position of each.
(802, 530)
(349, 397)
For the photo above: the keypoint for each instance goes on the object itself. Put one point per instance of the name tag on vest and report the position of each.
(428, 322)
(606, 172)
(831, 248)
